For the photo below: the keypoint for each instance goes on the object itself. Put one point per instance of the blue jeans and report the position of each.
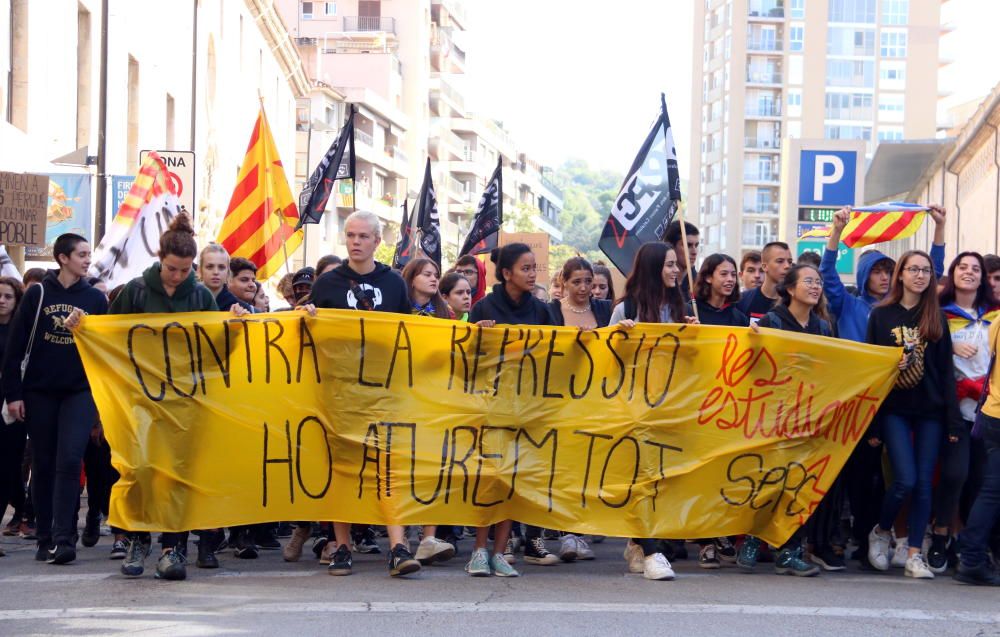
(913, 443)
(982, 517)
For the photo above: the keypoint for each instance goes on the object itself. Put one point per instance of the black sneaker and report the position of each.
(535, 552)
(171, 566)
(401, 561)
(725, 550)
(828, 559)
(266, 537)
(206, 556)
(135, 556)
(245, 548)
(680, 549)
(92, 531)
(937, 556)
(118, 550)
(707, 557)
(341, 562)
(318, 545)
(42, 551)
(365, 543)
(980, 576)
(61, 554)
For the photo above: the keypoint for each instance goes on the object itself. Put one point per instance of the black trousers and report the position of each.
(13, 439)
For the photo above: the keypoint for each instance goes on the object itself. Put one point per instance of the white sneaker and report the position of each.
(656, 567)
(635, 558)
(568, 551)
(583, 552)
(878, 549)
(917, 568)
(901, 553)
(433, 550)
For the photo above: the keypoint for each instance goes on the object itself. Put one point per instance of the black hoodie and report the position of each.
(382, 289)
(225, 299)
(728, 315)
(500, 307)
(55, 363)
(787, 321)
(600, 308)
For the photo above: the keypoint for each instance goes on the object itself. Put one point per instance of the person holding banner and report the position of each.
(922, 405)
(214, 272)
(45, 387)
(652, 295)
(362, 283)
(578, 307)
(511, 302)
(717, 291)
(457, 293)
(800, 294)
(167, 286)
(970, 307)
(14, 436)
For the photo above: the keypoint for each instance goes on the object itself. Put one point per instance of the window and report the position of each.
(798, 8)
(848, 132)
(849, 106)
(796, 35)
(895, 11)
(331, 8)
(850, 41)
(890, 107)
(795, 102)
(893, 43)
(892, 75)
(890, 133)
(856, 11)
(307, 10)
(856, 73)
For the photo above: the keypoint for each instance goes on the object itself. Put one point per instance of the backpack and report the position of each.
(138, 295)
(775, 321)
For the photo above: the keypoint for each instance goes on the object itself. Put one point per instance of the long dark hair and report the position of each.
(930, 323)
(984, 293)
(603, 270)
(703, 289)
(18, 288)
(410, 272)
(645, 288)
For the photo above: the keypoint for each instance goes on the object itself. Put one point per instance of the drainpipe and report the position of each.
(102, 129)
(194, 69)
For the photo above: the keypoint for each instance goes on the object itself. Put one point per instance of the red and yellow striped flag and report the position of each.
(876, 224)
(260, 222)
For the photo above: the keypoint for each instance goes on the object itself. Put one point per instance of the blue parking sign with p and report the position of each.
(827, 177)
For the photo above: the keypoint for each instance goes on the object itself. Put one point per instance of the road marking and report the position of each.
(905, 614)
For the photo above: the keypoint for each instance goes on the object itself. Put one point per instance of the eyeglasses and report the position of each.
(813, 283)
(914, 270)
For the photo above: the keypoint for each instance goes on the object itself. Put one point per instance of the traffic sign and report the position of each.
(827, 177)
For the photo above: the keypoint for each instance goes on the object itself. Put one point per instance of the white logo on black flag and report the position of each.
(489, 216)
(336, 164)
(428, 222)
(648, 198)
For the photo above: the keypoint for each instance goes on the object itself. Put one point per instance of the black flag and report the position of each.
(648, 199)
(404, 245)
(489, 216)
(336, 164)
(428, 222)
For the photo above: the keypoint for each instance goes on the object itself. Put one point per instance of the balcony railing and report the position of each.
(763, 77)
(761, 209)
(369, 23)
(455, 185)
(766, 110)
(761, 176)
(764, 45)
(758, 240)
(452, 94)
(754, 142)
(364, 137)
(766, 9)
(395, 152)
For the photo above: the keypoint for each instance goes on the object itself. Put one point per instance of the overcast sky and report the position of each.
(581, 78)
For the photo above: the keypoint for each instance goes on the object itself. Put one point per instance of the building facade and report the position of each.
(769, 70)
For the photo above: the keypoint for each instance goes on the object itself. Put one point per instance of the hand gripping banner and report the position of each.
(658, 431)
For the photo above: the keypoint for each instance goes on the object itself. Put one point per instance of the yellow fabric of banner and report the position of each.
(659, 431)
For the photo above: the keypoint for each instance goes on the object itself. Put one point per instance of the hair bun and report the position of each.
(181, 223)
(495, 255)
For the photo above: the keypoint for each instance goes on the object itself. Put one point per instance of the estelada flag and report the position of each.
(428, 223)
(261, 220)
(648, 198)
(132, 242)
(489, 217)
(876, 224)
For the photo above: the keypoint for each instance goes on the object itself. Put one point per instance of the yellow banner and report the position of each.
(659, 431)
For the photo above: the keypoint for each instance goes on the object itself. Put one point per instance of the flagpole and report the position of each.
(680, 215)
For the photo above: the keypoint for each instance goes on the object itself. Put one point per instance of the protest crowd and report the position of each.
(920, 492)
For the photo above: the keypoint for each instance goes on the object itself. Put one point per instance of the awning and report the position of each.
(898, 167)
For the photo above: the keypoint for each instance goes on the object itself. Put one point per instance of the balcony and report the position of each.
(763, 77)
(354, 24)
(767, 209)
(449, 92)
(766, 9)
(363, 137)
(764, 110)
(551, 187)
(757, 240)
(761, 144)
(396, 153)
(765, 45)
(761, 176)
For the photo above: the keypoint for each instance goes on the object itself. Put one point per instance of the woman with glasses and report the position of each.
(921, 407)
(799, 295)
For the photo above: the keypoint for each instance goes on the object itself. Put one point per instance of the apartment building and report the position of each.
(769, 70)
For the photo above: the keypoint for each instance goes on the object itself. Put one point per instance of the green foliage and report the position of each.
(587, 198)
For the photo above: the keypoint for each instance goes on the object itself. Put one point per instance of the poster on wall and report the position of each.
(68, 210)
(120, 185)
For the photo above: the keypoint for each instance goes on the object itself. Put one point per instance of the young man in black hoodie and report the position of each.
(362, 283)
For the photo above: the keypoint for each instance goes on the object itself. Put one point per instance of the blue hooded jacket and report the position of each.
(852, 311)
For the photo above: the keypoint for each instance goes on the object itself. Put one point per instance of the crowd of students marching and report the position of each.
(920, 492)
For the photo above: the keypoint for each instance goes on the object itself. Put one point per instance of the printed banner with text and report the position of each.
(659, 431)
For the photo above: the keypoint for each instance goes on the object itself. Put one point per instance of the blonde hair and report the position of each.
(369, 217)
(213, 248)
